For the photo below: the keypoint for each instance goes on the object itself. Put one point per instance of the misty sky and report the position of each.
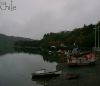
(34, 18)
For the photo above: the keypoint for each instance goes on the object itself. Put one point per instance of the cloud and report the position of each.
(33, 18)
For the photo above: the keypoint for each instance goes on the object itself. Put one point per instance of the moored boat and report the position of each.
(70, 76)
(43, 74)
(85, 60)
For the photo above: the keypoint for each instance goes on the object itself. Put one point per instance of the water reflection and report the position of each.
(32, 50)
(89, 76)
(43, 82)
(46, 57)
(6, 50)
(16, 69)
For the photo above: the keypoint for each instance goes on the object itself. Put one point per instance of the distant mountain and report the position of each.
(14, 38)
(8, 41)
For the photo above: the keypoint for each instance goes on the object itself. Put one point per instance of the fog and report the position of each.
(34, 18)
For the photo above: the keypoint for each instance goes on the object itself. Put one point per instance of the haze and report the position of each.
(34, 18)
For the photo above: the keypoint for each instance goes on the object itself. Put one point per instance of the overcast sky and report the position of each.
(34, 18)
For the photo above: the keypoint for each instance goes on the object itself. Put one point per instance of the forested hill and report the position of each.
(8, 41)
(83, 37)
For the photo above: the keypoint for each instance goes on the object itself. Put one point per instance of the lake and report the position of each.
(16, 68)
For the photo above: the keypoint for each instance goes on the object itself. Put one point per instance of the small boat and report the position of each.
(70, 76)
(43, 74)
(85, 60)
(78, 63)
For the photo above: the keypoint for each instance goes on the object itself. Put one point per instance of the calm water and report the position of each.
(89, 75)
(16, 68)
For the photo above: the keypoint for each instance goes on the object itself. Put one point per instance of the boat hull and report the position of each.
(44, 75)
(71, 76)
(81, 64)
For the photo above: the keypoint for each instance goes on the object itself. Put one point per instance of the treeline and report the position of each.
(28, 44)
(82, 37)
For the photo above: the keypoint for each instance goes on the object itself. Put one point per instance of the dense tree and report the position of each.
(83, 37)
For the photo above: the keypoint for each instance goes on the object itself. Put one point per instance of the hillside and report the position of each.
(82, 37)
(8, 41)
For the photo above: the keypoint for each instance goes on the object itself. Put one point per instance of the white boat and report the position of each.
(43, 74)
